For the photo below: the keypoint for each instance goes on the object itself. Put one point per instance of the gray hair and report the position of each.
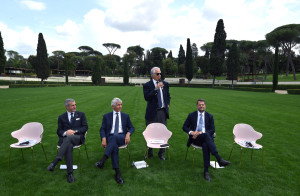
(200, 100)
(153, 70)
(69, 100)
(115, 101)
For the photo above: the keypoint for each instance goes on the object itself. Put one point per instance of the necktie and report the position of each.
(200, 124)
(159, 103)
(116, 131)
(72, 118)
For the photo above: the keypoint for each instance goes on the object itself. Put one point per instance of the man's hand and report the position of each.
(195, 134)
(160, 85)
(70, 132)
(104, 143)
(127, 138)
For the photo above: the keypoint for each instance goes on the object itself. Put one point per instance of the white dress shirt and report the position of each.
(161, 93)
(114, 121)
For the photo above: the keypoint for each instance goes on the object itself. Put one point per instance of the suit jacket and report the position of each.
(107, 122)
(150, 95)
(80, 125)
(190, 124)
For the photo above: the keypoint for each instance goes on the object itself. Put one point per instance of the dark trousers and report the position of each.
(66, 149)
(161, 117)
(208, 145)
(112, 148)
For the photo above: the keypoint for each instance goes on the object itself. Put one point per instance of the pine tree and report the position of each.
(96, 70)
(42, 68)
(217, 55)
(189, 61)
(2, 55)
(233, 63)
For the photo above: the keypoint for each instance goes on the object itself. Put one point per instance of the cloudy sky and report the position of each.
(68, 24)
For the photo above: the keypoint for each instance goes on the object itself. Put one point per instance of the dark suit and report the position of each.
(150, 95)
(66, 143)
(206, 139)
(114, 141)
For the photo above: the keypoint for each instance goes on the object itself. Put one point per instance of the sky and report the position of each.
(69, 24)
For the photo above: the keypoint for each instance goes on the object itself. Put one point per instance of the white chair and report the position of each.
(30, 135)
(245, 136)
(155, 135)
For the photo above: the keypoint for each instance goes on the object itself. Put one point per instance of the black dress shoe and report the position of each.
(51, 167)
(119, 179)
(223, 163)
(99, 164)
(207, 176)
(71, 178)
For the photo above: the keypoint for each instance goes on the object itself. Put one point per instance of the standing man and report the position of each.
(156, 93)
(200, 127)
(72, 126)
(115, 131)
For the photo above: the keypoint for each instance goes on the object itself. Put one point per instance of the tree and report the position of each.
(189, 61)
(203, 62)
(96, 69)
(111, 47)
(181, 59)
(217, 55)
(170, 55)
(68, 63)
(2, 55)
(42, 68)
(287, 37)
(59, 56)
(194, 50)
(137, 52)
(233, 63)
(275, 69)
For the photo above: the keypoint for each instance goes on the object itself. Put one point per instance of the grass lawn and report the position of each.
(275, 116)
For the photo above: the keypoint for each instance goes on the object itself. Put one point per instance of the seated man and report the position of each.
(115, 131)
(200, 127)
(72, 126)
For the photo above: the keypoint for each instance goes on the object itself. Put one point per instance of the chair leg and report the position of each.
(241, 157)
(194, 156)
(32, 156)
(230, 152)
(169, 153)
(128, 157)
(87, 156)
(9, 158)
(44, 151)
(187, 148)
(251, 154)
(22, 153)
(79, 165)
(262, 151)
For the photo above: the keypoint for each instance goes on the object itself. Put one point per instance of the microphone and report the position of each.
(162, 87)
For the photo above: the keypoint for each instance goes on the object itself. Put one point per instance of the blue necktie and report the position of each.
(116, 124)
(159, 103)
(200, 124)
(72, 118)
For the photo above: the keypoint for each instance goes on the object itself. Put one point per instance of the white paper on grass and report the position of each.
(215, 164)
(140, 164)
(65, 167)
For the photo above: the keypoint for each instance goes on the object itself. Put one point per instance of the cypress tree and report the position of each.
(42, 68)
(181, 57)
(96, 70)
(275, 69)
(233, 63)
(189, 61)
(217, 55)
(2, 55)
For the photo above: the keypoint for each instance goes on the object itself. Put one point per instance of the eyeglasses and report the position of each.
(158, 74)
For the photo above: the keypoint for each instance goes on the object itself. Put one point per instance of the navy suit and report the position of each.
(150, 95)
(66, 143)
(206, 139)
(114, 141)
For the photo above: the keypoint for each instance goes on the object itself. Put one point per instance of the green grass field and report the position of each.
(275, 116)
